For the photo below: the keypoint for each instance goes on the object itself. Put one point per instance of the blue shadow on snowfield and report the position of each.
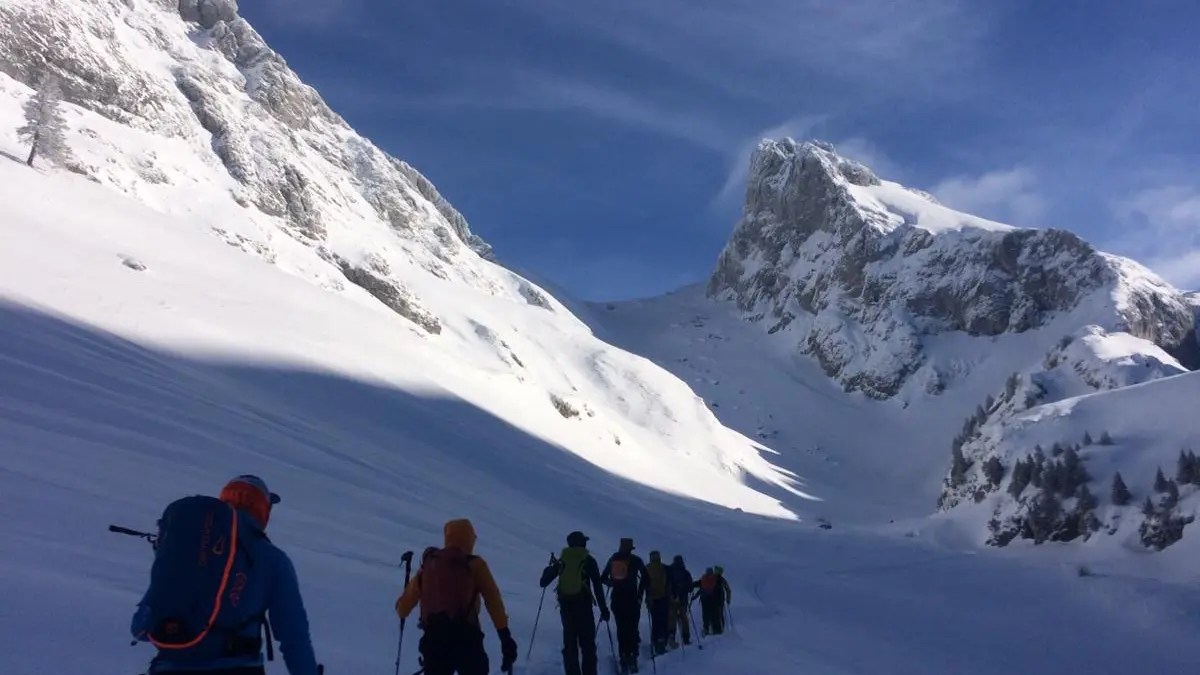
(97, 429)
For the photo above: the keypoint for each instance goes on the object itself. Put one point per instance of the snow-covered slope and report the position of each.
(182, 107)
(527, 365)
(196, 115)
(865, 275)
(143, 359)
(1072, 451)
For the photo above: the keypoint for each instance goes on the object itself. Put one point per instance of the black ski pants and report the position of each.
(679, 616)
(628, 614)
(450, 647)
(660, 609)
(713, 611)
(579, 636)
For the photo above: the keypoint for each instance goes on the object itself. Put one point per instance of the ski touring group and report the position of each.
(221, 593)
(666, 590)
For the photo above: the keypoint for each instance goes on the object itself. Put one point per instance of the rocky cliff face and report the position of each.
(195, 74)
(860, 272)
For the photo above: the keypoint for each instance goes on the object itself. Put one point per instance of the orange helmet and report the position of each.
(250, 494)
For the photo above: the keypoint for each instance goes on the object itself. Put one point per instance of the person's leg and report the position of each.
(626, 616)
(471, 656)
(685, 621)
(660, 609)
(436, 655)
(571, 638)
(586, 630)
(672, 620)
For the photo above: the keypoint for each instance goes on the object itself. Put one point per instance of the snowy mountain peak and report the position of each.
(862, 272)
(772, 156)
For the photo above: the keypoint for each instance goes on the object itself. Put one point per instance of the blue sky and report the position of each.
(601, 144)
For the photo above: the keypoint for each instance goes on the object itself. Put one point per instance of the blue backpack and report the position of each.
(200, 571)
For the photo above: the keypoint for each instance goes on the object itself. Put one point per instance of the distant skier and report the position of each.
(625, 573)
(214, 566)
(578, 588)
(681, 589)
(714, 594)
(658, 601)
(448, 588)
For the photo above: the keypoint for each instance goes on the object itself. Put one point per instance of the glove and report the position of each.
(508, 649)
(604, 615)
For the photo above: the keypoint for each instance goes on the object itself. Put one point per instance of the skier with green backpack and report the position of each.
(578, 589)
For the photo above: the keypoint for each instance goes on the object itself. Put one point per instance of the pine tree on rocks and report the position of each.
(45, 128)
(1087, 501)
(1087, 439)
(1120, 492)
(958, 467)
(1185, 472)
(994, 471)
(1160, 482)
(1105, 439)
(1172, 499)
(1021, 474)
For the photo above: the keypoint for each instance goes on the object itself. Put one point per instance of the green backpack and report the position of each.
(658, 579)
(570, 571)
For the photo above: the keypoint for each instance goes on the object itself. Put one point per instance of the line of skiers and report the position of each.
(666, 590)
(218, 586)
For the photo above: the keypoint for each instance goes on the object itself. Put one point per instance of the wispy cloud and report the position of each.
(750, 46)
(867, 152)
(1009, 195)
(1162, 225)
(608, 103)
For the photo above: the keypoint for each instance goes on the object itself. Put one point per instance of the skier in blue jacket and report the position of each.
(271, 592)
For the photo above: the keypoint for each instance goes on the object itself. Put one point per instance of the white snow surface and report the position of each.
(126, 388)
(899, 205)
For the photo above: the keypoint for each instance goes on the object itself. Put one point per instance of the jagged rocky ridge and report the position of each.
(860, 272)
(195, 71)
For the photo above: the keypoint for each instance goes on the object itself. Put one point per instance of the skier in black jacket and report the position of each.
(625, 573)
(681, 589)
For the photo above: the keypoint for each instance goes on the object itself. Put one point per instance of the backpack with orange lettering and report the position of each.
(199, 573)
(447, 585)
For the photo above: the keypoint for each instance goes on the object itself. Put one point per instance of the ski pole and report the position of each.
(611, 648)
(692, 618)
(653, 649)
(653, 641)
(153, 539)
(406, 561)
(538, 618)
